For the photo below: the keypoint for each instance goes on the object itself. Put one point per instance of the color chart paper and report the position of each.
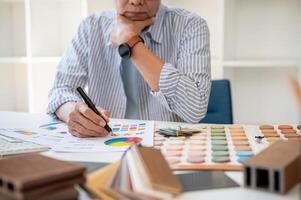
(56, 136)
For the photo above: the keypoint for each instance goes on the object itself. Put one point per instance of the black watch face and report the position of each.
(124, 51)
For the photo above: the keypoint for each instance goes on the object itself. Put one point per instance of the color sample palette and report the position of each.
(123, 141)
(128, 129)
(220, 147)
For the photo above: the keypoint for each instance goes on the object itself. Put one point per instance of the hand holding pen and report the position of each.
(83, 121)
(90, 104)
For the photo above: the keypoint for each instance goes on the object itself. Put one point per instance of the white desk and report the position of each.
(24, 120)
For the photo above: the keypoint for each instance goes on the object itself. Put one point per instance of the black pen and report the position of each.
(90, 104)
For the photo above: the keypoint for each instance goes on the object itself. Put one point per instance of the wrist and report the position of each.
(125, 50)
(134, 40)
(128, 37)
(64, 110)
(135, 49)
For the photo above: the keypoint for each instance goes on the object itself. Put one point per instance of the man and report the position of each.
(143, 61)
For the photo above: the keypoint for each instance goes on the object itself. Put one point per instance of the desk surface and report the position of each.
(24, 120)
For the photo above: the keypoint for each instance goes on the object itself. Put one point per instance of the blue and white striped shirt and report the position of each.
(178, 37)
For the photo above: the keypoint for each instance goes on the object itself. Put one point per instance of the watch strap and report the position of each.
(134, 40)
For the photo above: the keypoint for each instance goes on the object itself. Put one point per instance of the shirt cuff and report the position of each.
(56, 102)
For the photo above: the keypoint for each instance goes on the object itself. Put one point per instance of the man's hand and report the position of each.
(123, 29)
(82, 121)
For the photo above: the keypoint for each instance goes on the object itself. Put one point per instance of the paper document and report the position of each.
(56, 136)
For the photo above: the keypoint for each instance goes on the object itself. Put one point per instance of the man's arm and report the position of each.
(148, 64)
(64, 101)
(183, 87)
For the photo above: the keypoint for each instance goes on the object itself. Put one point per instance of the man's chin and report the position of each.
(137, 18)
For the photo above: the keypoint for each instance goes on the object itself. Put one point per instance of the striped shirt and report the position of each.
(178, 37)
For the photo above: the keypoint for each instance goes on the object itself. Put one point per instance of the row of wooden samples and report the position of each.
(141, 174)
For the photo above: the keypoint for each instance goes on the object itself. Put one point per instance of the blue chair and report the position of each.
(220, 104)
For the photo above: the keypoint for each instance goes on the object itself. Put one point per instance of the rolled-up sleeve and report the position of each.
(72, 70)
(185, 85)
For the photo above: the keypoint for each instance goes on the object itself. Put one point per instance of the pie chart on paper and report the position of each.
(122, 141)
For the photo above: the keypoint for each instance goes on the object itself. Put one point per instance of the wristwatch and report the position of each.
(125, 50)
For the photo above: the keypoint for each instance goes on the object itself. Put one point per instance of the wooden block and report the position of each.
(275, 169)
(30, 176)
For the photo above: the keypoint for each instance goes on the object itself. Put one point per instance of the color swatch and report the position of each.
(51, 126)
(24, 132)
(128, 129)
(123, 141)
(273, 134)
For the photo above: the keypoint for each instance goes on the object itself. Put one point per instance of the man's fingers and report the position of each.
(90, 114)
(76, 134)
(86, 123)
(122, 18)
(78, 129)
(105, 113)
(73, 131)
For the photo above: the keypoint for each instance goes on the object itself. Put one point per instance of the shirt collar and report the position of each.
(155, 31)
